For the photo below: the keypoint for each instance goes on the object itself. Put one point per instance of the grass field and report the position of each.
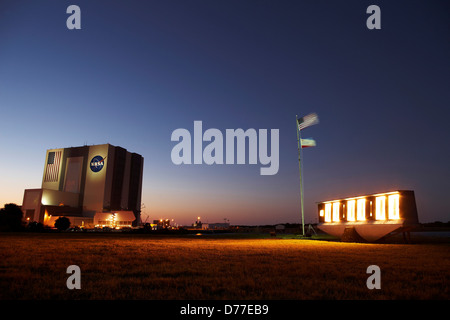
(126, 266)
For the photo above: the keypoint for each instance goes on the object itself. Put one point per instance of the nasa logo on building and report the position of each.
(97, 163)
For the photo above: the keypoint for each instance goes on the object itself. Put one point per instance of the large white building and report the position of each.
(91, 185)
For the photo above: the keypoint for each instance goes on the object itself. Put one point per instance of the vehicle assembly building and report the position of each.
(371, 216)
(98, 185)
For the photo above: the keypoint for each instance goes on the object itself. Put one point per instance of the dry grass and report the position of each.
(121, 266)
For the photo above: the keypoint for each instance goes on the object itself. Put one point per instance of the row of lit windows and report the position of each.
(356, 209)
(117, 223)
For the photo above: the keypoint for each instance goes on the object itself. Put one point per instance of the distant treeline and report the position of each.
(294, 227)
(436, 225)
(11, 219)
(286, 225)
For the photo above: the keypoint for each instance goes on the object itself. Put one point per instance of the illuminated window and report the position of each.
(380, 208)
(393, 206)
(328, 212)
(361, 209)
(351, 204)
(321, 213)
(336, 211)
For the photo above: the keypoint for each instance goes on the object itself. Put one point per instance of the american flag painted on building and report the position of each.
(52, 169)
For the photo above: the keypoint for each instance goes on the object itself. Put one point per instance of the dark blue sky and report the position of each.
(137, 70)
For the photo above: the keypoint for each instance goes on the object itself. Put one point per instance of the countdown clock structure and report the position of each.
(370, 217)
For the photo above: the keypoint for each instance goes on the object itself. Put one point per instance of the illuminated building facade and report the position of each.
(371, 216)
(81, 182)
(162, 223)
(114, 220)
